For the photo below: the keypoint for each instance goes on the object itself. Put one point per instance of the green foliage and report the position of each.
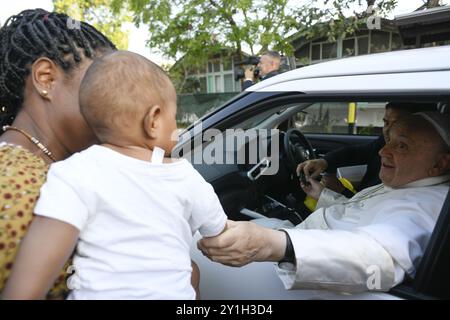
(332, 20)
(199, 29)
(99, 13)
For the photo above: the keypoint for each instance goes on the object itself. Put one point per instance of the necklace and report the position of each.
(38, 144)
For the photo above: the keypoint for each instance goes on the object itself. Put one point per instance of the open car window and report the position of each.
(349, 117)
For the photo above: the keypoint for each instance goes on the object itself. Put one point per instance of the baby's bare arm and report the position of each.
(43, 252)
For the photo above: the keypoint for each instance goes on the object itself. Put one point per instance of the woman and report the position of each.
(43, 57)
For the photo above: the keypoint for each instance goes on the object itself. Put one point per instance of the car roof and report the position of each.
(405, 66)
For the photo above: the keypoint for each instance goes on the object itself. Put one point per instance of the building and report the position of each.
(214, 76)
(364, 41)
(425, 28)
(421, 28)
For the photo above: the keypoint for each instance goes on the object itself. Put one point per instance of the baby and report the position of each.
(132, 209)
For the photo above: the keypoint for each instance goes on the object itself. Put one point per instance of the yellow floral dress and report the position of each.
(21, 177)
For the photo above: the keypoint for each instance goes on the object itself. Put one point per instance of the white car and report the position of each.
(314, 101)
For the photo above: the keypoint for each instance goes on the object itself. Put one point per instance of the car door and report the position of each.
(221, 282)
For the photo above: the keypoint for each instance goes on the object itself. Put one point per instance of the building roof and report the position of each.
(424, 26)
(386, 25)
(433, 15)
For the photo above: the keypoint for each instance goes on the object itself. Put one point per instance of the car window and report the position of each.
(259, 118)
(270, 115)
(353, 118)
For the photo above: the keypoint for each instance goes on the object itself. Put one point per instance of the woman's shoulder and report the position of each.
(21, 176)
(16, 161)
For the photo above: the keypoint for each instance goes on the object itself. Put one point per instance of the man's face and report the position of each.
(390, 117)
(266, 65)
(407, 156)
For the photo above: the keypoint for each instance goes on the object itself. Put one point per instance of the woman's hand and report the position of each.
(244, 242)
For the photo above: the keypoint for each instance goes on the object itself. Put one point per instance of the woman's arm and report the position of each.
(43, 252)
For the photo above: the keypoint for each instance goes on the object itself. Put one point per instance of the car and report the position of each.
(299, 115)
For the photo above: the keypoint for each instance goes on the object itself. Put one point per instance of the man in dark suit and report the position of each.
(268, 67)
(362, 153)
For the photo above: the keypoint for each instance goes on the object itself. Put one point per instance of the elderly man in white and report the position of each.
(382, 229)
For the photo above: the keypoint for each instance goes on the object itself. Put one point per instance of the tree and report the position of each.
(99, 14)
(197, 29)
(333, 20)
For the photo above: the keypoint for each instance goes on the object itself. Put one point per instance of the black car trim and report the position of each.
(406, 291)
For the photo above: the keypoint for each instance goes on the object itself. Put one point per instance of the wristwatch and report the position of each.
(288, 262)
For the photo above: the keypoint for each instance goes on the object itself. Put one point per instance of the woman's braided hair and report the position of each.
(37, 33)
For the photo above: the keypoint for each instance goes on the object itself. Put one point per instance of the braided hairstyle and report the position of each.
(32, 34)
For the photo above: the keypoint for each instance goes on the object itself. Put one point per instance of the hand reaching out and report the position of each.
(243, 242)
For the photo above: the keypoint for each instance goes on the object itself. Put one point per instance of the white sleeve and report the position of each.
(207, 214)
(59, 199)
(390, 247)
(403, 231)
(339, 260)
(328, 198)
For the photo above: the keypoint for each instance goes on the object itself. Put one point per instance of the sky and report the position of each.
(139, 36)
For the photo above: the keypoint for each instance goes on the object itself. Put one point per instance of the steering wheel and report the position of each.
(297, 148)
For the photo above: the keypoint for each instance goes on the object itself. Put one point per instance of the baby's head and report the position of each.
(129, 100)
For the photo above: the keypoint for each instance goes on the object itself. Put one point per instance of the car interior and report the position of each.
(246, 190)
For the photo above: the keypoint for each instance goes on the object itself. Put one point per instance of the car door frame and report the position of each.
(424, 286)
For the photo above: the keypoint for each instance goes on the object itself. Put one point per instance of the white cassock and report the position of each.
(369, 242)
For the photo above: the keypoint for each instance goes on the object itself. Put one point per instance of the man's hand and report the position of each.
(244, 242)
(312, 168)
(314, 189)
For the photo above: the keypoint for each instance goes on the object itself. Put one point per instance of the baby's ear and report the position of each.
(152, 121)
